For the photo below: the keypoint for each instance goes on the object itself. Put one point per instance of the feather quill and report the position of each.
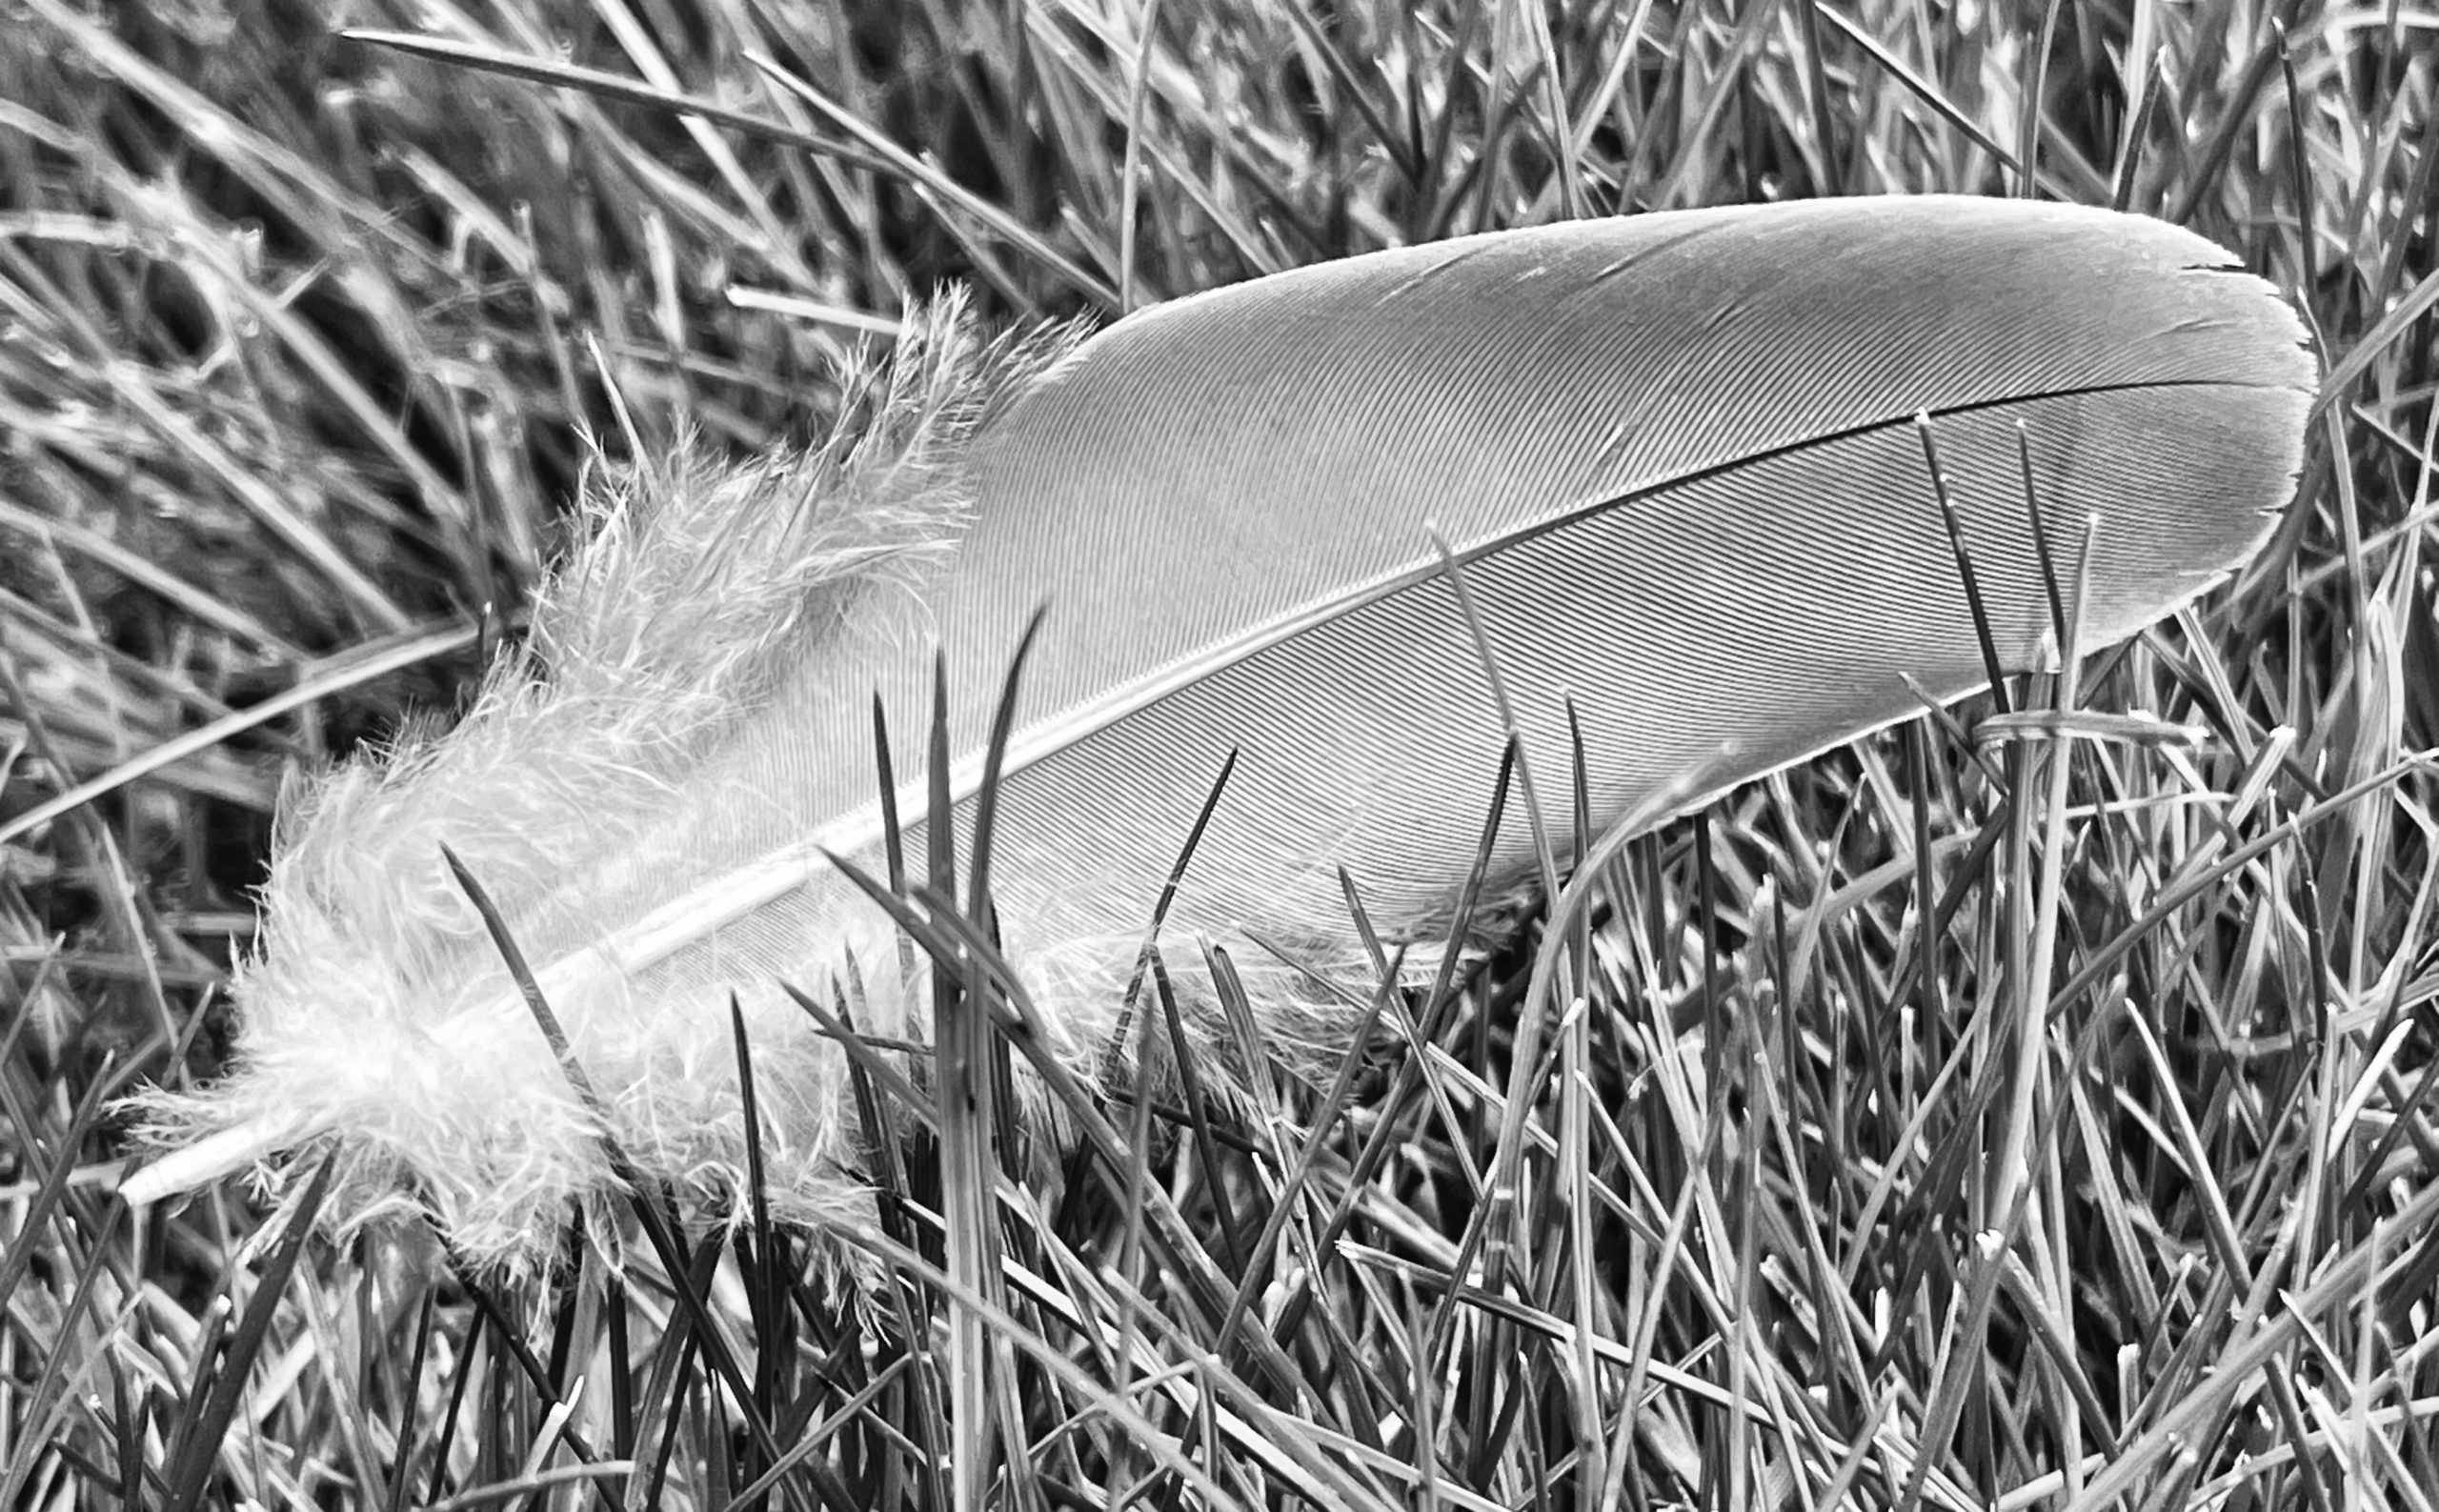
(1674, 455)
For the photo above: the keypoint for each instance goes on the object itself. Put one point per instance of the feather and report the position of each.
(1674, 457)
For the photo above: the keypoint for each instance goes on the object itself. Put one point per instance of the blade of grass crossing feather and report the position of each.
(891, 833)
(1003, 722)
(940, 829)
(930, 931)
(1503, 1223)
(1963, 565)
(961, 1088)
(1210, 1289)
(864, 1066)
(1008, 1146)
(197, 1451)
(1197, 1105)
(1359, 919)
(1441, 1005)
(536, 1004)
(2058, 624)
(1237, 1325)
(659, 1225)
(1442, 1000)
(1294, 1147)
(868, 1072)
(2065, 628)
(2032, 1013)
(1487, 654)
(871, 1057)
(977, 949)
(1160, 907)
(879, 1084)
(1293, 1181)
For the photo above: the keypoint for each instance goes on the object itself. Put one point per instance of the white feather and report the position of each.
(1674, 453)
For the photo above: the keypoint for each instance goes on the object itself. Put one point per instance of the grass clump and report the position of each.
(304, 336)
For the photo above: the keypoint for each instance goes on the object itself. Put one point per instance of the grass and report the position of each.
(303, 337)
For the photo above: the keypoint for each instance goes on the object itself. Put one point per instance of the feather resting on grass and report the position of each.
(1674, 457)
